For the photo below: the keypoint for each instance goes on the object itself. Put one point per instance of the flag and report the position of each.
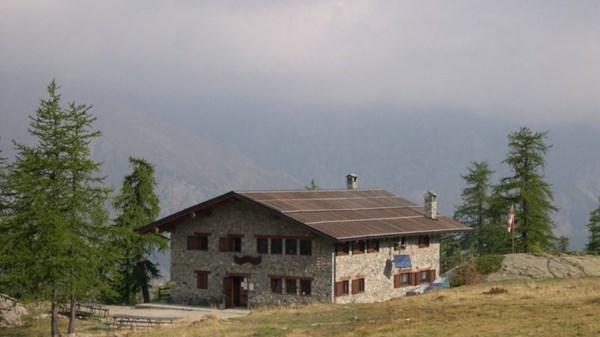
(511, 219)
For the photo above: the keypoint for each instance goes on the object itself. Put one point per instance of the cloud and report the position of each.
(510, 59)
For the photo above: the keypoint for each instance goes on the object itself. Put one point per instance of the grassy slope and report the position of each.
(529, 308)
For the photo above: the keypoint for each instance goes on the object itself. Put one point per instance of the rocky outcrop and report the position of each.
(525, 266)
(11, 312)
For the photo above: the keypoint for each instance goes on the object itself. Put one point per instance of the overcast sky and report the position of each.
(503, 59)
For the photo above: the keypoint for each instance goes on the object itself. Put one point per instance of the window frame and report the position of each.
(359, 247)
(303, 283)
(280, 246)
(342, 248)
(424, 241)
(198, 241)
(342, 288)
(274, 288)
(202, 279)
(372, 246)
(288, 282)
(264, 246)
(358, 285)
(305, 247)
(293, 246)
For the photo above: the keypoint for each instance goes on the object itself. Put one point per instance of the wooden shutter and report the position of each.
(431, 276)
(413, 278)
(227, 289)
(192, 243)
(202, 279)
(397, 280)
(225, 244)
(339, 288)
(355, 286)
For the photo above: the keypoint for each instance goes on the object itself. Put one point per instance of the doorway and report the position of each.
(235, 289)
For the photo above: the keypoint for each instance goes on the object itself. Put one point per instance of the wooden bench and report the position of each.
(131, 321)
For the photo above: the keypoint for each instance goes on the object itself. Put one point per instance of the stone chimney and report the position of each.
(351, 181)
(430, 205)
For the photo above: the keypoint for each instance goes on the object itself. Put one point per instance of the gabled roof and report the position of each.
(337, 214)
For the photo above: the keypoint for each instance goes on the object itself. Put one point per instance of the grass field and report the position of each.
(568, 307)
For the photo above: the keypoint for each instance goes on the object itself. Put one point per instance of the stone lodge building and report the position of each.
(250, 249)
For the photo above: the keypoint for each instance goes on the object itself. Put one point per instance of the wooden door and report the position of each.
(228, 291)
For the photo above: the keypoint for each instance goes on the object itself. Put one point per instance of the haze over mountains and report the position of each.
(405, 153)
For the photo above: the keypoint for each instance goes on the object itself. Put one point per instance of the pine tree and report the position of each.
(528, 190)
(138, 205)
(312, 186)
(57, 223)
(474, 209)
(593, 245)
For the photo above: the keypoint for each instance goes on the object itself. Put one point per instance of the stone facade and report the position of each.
(378, 270)
(248, 221)
(254, 272)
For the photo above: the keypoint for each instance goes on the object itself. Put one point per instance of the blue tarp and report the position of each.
(402, 261)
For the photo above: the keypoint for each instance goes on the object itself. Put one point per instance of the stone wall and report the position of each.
(241, 217)
(378, 269)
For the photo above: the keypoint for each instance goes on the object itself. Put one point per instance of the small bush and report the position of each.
(465, 274)
(487, 264)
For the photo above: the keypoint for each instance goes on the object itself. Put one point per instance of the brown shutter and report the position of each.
(225, 244)
(192, 243)
(431, 276)
(355, 286)
(397, 281)
(339, 288)
(413, 278)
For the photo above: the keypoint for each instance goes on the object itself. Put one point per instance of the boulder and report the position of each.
(12, 312)
(527, 266)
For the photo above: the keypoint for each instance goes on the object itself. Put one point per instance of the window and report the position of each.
(276, 284)
(291, 247)
(291, 286)
(400, 245)
(342, 248)
(402, 280)
(342, 288)
(198, 241)
(305, 287)
(424, 276)
(276, 246)
(423, 241)
(262, 245)
(230, 243)
(372, 246)
(358, 247)
(202, 279)
(358, 286)
(305, 247)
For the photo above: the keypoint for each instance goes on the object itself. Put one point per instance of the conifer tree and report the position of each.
(593, 245)
(474, 210)
(57, 226)
(528, 191)
(312, 186)
(137, 205)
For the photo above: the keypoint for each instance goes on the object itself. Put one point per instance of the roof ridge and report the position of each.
(312, 191)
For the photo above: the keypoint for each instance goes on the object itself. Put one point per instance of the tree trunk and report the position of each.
(72, 316)
(54, 314)
(145, 292)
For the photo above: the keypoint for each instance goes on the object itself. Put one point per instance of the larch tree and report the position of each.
(57, 224)
(474, 210)
(137, 205)
(528, 191)
(593, 245)
(312, 186)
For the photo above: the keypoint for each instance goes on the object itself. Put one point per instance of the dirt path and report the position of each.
(187, 313)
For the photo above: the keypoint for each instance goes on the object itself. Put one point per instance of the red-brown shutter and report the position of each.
(355, 286)
(339, 288)
(397, 281)
(431, 276)
(413, 278)
(192, 243)
(225, 244)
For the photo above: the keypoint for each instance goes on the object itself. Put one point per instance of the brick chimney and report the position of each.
(351, 181)
(430, 205)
